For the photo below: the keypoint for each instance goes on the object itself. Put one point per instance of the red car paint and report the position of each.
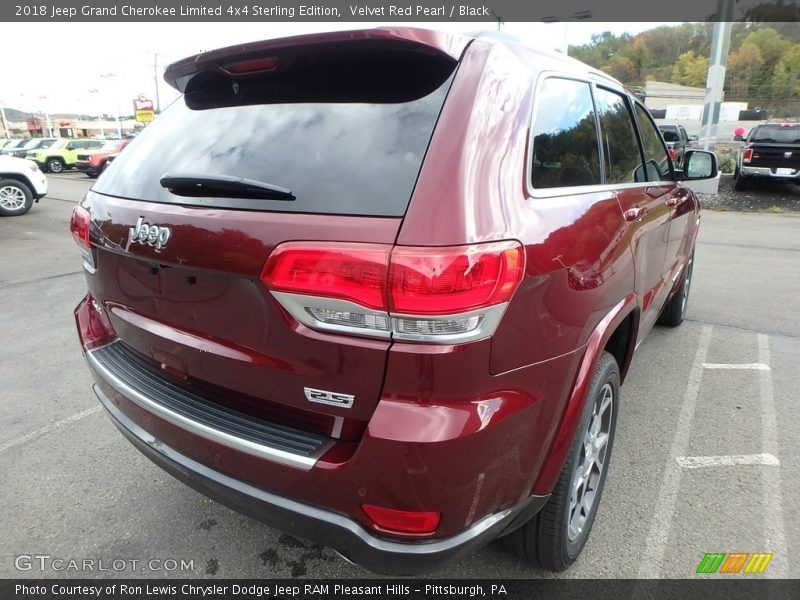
(458, 430)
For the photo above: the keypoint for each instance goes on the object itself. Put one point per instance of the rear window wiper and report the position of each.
(201, 185)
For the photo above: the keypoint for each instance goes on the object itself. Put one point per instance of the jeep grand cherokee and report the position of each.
(380, 288)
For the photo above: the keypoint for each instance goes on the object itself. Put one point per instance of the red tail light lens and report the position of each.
(94, 326)
(671, 153)
(747, 155)
(440, 281)
(79, 226)
(354, 272)
(446, 295)
(402, 521)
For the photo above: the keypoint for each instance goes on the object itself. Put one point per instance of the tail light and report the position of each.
(402, 521)
(79, 225)
(747, 155)
(672, 153)
(353, 272)
(447, 295)
(94, 326)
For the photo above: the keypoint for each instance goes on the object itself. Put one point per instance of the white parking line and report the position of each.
(655, 546)
(48, 428)
(700, 462)
(774, 533)
(753, 366)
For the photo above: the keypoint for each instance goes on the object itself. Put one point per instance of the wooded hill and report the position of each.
(763, 62)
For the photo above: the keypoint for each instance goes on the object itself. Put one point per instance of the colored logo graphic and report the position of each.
(734, 562)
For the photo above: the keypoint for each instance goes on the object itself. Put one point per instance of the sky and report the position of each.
(99, 68)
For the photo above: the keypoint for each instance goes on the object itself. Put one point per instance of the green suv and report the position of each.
(62, 154)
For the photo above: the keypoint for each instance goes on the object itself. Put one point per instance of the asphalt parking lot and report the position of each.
(706, 457)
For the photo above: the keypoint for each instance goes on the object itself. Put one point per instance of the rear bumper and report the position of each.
(768, 172)
(332, 529)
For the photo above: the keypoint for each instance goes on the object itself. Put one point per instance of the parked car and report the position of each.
(362, 304)
(13, 144)
(93, 162)
(62, 154)
(771, 152)
(678, 142)
(21, 184)
(33, 144)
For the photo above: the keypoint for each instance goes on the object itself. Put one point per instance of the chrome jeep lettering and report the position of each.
(152, 235)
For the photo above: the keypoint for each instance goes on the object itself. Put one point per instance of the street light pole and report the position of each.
(116, 100)
(155, 79)
(100, 117)
(5, 123)
(47, 119)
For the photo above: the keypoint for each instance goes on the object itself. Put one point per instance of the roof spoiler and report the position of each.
(244, 60)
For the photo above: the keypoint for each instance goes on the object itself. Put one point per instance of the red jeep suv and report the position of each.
(380, 288)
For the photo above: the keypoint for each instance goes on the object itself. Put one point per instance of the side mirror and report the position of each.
(700, 172)
(738, 138)
(699, 164)
(693, 138)
(70, 147)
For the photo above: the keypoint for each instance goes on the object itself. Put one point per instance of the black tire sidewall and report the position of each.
(607, 371)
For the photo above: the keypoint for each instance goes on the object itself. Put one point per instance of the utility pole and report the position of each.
(498, 18)
(720, 43)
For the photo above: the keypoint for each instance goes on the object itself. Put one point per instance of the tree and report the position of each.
(690, 70)
(622, 68)
(785, 82)
(744, 66)
(769, 42)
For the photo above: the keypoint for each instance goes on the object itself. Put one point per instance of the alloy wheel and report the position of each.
(593, 457)
(12, 197)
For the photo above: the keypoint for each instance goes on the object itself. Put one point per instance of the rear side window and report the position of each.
(656, 159)
(620, 148)
(348, 138)
(565, 150)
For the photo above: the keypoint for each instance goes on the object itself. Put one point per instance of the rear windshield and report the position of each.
(670, 135)
(777, 134)
(355, 157)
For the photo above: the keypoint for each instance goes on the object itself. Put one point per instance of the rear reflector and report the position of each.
(402, 521)
(94, 326)
(747, 155)
(442, 294)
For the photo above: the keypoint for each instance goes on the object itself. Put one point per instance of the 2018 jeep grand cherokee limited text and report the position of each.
(380, 288)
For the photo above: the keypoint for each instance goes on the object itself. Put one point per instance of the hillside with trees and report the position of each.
(763, 62)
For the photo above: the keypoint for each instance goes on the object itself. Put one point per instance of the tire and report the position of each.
(740, 182)
(16, 198)
(54, 165)
(674, 311)
(555, 537)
